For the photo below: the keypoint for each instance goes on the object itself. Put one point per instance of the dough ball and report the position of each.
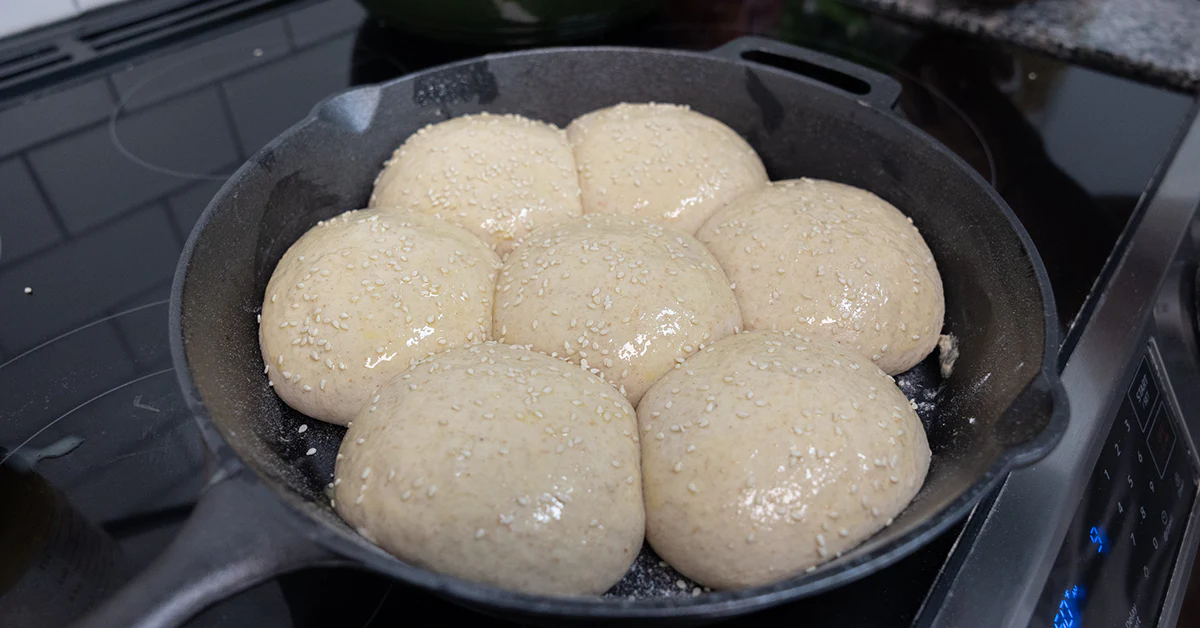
(831, 260)
(497, 175)
(360, 296)
(625, 298)
(664, 163)
(500, 465)
(768, 453)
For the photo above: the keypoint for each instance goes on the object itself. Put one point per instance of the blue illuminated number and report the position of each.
(1098, 537)
(1068, 609)
(1064, 618)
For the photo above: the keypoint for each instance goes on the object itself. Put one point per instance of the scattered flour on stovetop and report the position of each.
(651, 577)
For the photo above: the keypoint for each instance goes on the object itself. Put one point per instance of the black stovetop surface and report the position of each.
(103, 175)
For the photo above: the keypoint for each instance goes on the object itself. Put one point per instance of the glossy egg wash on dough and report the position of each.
(769, 453)
(498, 464)
(500, 176)
(831, 260)
(664, 163)
(360, 296)
(627, 299)
(750, 457)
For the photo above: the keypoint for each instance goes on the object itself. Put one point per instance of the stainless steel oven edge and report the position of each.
(1182, 568)
(1000, 571)
(1176, 347)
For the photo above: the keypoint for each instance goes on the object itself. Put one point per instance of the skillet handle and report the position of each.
(239, 535)
(1035, 421)
(871, 87)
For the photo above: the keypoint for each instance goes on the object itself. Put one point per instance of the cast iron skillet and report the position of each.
(266, 512)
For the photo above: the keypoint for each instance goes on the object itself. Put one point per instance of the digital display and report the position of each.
(1114, 565)
(1161, 441)
(1068, 609)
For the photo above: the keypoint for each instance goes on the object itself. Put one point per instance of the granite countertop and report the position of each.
(1156, 41)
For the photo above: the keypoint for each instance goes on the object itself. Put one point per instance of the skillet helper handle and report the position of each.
(238, 535)
(873, 88)
(1035, 421)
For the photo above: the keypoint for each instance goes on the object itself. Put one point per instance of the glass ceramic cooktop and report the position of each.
(104, 175)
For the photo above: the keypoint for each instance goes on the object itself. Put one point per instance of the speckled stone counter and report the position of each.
(1153, 40)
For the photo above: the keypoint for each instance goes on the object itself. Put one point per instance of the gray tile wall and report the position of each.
(72, 197)
(60, 112)
(71, 204)
(267, 101)
(79, 169)
(204, 64)
(26, 219)
(22, 15)
(85, 277)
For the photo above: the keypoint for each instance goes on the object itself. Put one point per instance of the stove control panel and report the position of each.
(1114, 565)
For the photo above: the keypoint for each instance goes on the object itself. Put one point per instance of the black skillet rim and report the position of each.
(712, 605)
